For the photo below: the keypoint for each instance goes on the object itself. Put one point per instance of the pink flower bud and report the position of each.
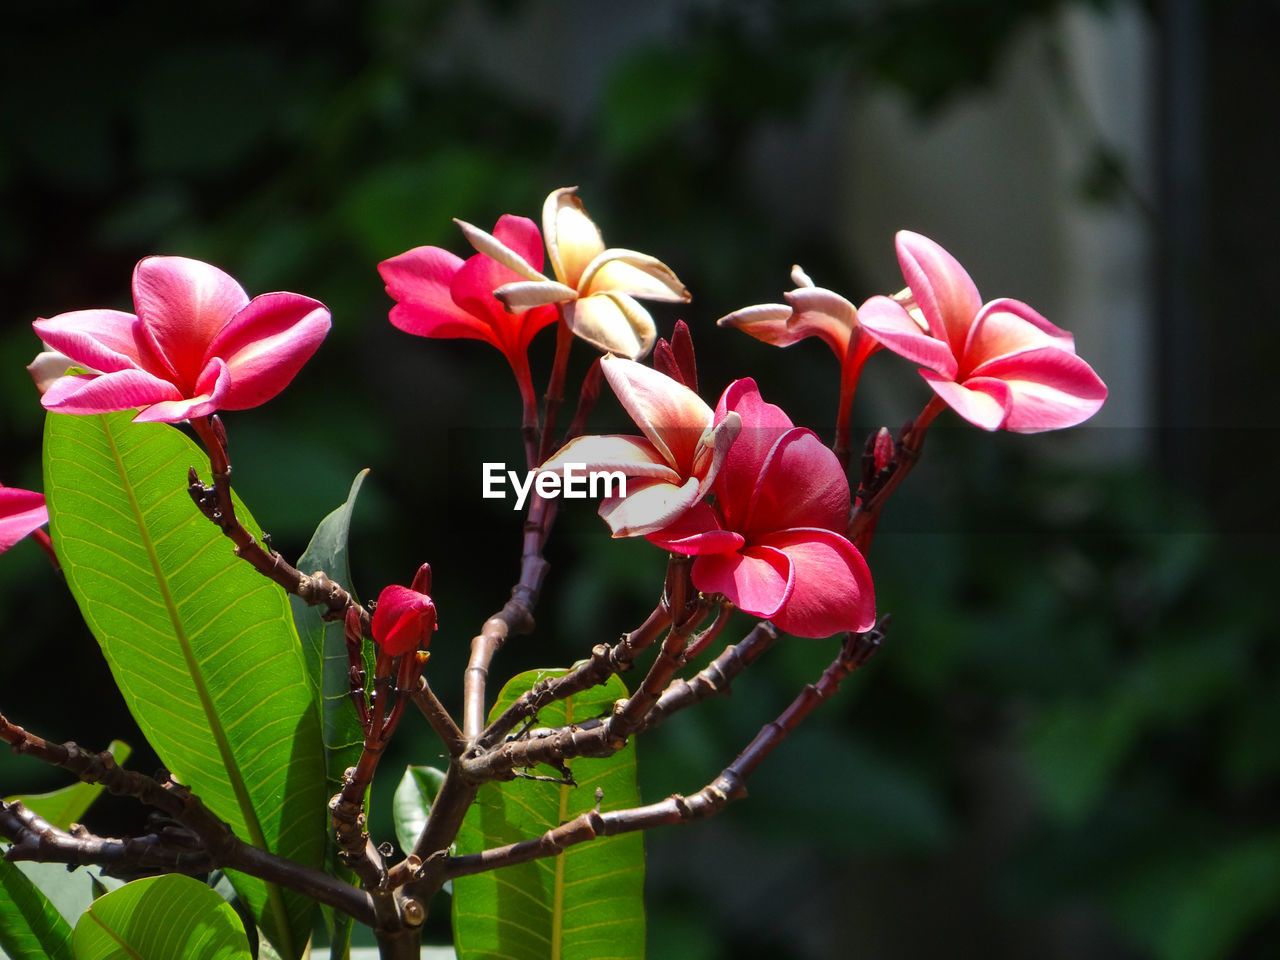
(404, 619)
(882, 451)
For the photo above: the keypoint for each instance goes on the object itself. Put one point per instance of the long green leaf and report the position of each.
(586, 903)
(412, 802)
(66, 806)
(202, 647)
(324, 646)
(30, 926)
(161, 918)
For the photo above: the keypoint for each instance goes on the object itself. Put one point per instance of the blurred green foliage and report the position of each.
(1068, 745)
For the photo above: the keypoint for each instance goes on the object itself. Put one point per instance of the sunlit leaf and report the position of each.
(324, 646)
(412, 802)
(30, 926)
(161, 918)
(202, 647)
(583, 904)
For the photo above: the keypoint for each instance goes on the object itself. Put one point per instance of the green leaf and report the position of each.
(585, 903)
(161, 918)
(202, 647)
(324, 645)
(30, 926)
(64, 807)
(412, 802)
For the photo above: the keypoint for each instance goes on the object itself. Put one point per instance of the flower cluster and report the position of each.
(762, 505)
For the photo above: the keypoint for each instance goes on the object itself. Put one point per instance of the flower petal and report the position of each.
(637, 274)
(758, 580)
(1049, 389)
(983, 401)
(573, 239)
(942, 289)
(888, 322)
(800, 483)
(832, 589)
(21, 512)
(649, 506)
(668, 413)
(697, 531)
(494, 248)
(524, 294)
(818, 312)
(613, 323)
(182, 305)
(520, 235)
(762, 425)
(266, 344)
(419, 280)
(764, 321)
(100, 340)
(108, 392)
(634, 456)
(209, 394)
(1005, 327)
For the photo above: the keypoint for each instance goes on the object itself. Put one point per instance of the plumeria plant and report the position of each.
(271, 692)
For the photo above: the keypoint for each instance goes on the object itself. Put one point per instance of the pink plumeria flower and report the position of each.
(405, 617)
(773, 542)
(196, 345)
(438, 294)
(21, 512)
(671, 467)
(595, 286)
(1000, 365)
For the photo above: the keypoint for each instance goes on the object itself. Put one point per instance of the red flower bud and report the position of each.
(883, 449)
(403, 621)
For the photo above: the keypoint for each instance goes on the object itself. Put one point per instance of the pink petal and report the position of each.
(1049, 389)
(108, 392)
(800, 484)
(266, 344)
(942, 289)
(521, 235)
(762, 425)
(670, 415)
(419, 280)
(888, 322)
(182, 304)
(758, 580)
(100, 340)
(209, 394)
(764, 321)
(21, 512)
(819, 312)
(983, 401)
(1005, 327)
(698, 530)
(832, 589)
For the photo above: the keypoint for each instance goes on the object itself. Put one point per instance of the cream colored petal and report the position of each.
(634, 456)
(710, 457)
(637, 274)
(495, 249)
(800, 278)
(648, 507)
(673, 418)
(573, 239)
(612, 322)
(526, 294)
(764, 321)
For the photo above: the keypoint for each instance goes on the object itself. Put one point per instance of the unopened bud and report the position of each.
(883, 451)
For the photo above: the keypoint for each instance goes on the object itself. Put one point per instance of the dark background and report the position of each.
(1068, 746)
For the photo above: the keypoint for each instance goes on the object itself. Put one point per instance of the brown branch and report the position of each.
(440, 719)
(219, 844)
(876, 489)
(730, 785)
